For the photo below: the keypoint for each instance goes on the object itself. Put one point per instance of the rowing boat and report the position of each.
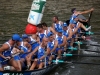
(42, 71)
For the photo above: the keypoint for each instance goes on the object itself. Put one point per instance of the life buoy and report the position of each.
(30, 29)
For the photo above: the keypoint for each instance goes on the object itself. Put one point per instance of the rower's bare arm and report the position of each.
(4, 47)
(70, 34)
(52, 30)
(87, 11)
(29, 46)
(53, 26)
(55, 46)
(48, 51)
(64, 41)
(34, 51)
(38, 39)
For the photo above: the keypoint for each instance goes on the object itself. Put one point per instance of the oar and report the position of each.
(72, 48)
(90, 15)
(73, 62)
(90, 33)
(81, 55)
(90, 50)
(85, 43)
(87, 33)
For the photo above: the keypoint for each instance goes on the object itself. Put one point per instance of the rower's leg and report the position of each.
(34, 64)
(41, 65)
(83, 27)
(19, 64)
(72, 41)
(29, 59)
(14, 63)
(59, 54)
(65, 47)
(1, 68)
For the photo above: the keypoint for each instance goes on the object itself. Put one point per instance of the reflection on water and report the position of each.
(13, 19)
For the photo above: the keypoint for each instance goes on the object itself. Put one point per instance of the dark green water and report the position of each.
(13, 19)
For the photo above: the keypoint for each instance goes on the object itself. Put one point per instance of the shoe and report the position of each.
(87, 29)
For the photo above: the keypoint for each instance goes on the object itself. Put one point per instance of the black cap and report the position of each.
(73, 9)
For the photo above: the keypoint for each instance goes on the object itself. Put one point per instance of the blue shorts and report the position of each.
(57, 49)
(74, 36)
(24, 55)
(3, 62)
(47, 59)
(79, 30)
(16, 57)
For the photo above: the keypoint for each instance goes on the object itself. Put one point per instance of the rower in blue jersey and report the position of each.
(51, 46)
(57, 24)
(34, 42)
(75, 18)
(61, 39)
(41, 32)
(72, 28)
(68, 33)
(5, 53)
(41, 49)
(26, 48)
(48, 29)
(75, 13)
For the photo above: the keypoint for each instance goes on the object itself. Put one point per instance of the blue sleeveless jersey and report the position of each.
(41, 52)
(57, 27)
(65, 33)
(25, 49)
(33, 43)
(72, 18)
(42, 35)
(6, 53)
(50, 45)
(60, 41)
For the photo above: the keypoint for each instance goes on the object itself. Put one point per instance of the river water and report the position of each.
(13, 19)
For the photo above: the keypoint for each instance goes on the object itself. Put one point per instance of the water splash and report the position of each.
(56, 73)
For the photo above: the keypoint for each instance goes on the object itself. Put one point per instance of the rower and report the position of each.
(51, 46)
(48, 29)
(39, 62)
(57, 24)
(61, 39)
(72, 28)
(26, 47)
(76, 13)
(5, 53)
(34, 41)
(68, 33)
(74, 16)
(41, 32)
